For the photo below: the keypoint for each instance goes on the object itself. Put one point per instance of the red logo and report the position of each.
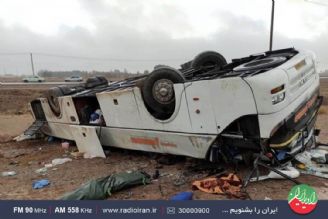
(302, 199)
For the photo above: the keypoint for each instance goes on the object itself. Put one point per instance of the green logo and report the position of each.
(302, 199)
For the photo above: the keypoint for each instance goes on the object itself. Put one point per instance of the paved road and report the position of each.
(42, 85)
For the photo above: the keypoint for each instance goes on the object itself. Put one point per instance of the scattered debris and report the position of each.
(65, 145)
(102, 188)
(42, 170)
(8, 173)
(40, 184)
(315, 172)
(48, 165)
(180, 180)
(304, 158)
(77, 154)
(228, 184)
(59, 161)
(319, 156)
(289, 171)
(313, 162)
(182, 196)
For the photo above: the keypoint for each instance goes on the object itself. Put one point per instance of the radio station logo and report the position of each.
(302, 199)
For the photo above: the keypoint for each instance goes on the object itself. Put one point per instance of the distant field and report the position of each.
(48, 79)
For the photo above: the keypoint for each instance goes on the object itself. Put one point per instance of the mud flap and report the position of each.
(87, 141)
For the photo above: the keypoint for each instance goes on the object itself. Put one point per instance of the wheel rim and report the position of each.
(163, 91)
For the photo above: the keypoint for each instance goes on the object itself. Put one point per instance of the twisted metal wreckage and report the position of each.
(259, 108)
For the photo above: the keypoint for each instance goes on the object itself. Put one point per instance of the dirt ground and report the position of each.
(26, 157)
(15, 101)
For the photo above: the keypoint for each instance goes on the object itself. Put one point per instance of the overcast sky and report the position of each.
(138, 34)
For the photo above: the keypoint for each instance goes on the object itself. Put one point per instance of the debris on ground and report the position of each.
(77, 154)
(102, 188)
(182, 196)
(65, 145)
(59, 161)
(180, 180)
(40, 184)
(42, 170)
(313, 162)
(48, 165)
(54, 162)
(315, 172)
(290, 171)
(319, 156)
(8, 173)
(228, 184)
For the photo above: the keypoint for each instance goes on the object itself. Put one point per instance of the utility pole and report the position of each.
(32, 64)
(271, 30)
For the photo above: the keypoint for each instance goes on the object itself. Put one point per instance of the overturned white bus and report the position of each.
(208, 109)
